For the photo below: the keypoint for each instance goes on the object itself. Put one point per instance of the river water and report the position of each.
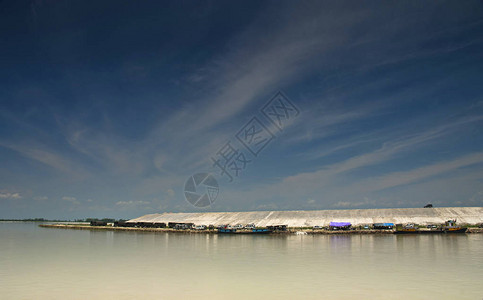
(46, 263)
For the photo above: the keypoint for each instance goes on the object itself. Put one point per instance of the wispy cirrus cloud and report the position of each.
(336, 180)
(44, 154)
(417, 174)
(381, 87)
(72, 200)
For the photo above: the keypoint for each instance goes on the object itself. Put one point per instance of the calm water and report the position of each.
(43, 263)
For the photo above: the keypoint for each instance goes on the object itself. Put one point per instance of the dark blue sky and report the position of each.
(106, 108)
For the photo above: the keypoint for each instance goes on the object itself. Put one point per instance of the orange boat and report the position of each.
(451, 227)
(408, 228)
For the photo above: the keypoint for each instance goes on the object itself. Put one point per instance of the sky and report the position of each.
(107, 108)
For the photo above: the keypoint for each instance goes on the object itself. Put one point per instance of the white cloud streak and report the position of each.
(9, 195)
(261, 60)
(72, 200)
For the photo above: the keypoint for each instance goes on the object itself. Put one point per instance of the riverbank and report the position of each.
(322, 218)
(191, 231)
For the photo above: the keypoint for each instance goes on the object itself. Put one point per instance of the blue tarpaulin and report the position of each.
(384, 224)
(339, 224)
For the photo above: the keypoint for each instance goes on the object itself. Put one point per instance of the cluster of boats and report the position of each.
(250, 229)
(449, 227)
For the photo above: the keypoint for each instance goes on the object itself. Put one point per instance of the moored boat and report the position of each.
(404, 229)
(261, 231)
(226, 230)
(430, 231)
(253, 231)
(451, 227)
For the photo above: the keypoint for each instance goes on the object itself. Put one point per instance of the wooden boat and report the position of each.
(253, 231)
(405, 229)
(261, 231)
(226, 230)
(451, 227)
(430, 231)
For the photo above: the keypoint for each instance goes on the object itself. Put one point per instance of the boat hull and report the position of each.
(260, 231)
(456, 230)
(439, 231)
(226, 231)
(254, 231)
(406, 232)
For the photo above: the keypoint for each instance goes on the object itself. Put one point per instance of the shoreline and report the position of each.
(310, 218)
(289, 231)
